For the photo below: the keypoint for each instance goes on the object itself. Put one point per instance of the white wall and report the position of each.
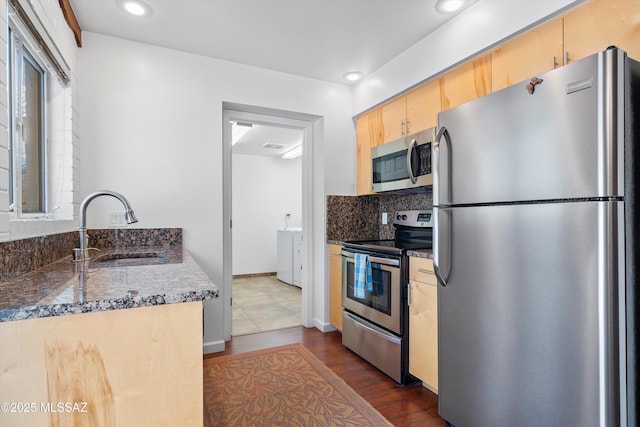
(485, 24)
(264, 190)
(152, 130)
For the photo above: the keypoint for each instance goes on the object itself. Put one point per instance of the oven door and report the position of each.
(381, 303)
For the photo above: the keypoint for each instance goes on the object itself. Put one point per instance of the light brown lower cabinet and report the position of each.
(335, 286)
(130, 367)
(423, 322)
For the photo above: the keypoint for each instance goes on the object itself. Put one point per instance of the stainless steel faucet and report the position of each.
(82, 253)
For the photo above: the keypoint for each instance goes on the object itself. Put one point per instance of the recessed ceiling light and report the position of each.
(353, 76)
(136, 7)
(449, 6)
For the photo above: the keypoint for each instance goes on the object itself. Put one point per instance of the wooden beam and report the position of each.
(72, 22)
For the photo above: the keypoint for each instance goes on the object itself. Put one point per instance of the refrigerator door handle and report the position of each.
(442, 278)
(436, 176)
(413, 144)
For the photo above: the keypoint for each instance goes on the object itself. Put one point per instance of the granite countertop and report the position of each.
(421, 253)
(61, 288)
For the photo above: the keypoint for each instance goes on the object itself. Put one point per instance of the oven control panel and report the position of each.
(414, 218)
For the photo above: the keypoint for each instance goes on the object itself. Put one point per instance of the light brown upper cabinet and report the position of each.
(532, 53)
(411, 113)
(599, 24)
(394, 119)
(368, 135)
(423, 106)
(467, 82)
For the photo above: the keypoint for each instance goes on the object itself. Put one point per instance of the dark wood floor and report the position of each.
(411, 405)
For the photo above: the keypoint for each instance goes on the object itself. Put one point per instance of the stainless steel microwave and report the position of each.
(403, 164)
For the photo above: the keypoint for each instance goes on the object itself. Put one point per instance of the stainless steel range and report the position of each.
(375, 275)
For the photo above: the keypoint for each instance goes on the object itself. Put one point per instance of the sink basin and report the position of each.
(122, 259)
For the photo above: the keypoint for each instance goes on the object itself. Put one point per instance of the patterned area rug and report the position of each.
(281, 386)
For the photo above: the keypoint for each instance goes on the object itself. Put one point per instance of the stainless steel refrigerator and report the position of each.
(535, 248)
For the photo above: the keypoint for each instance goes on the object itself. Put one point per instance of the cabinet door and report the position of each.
(423, 323)
(532, 53)
(423, 106)
(335, 286)
(394, 119)
(365, 140)
(128, 365)
(600, 24)
(467, 82)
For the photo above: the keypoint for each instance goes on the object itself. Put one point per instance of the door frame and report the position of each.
(310, 126)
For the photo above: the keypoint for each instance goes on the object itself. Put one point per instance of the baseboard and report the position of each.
(244, 276)
(213, 347)
(323, 326)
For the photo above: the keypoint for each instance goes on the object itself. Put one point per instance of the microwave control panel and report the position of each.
(423, 159)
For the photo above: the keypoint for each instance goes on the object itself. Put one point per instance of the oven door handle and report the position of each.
(377, 260)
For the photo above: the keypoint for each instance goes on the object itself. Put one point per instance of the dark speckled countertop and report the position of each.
(63, 287)
(421, 253)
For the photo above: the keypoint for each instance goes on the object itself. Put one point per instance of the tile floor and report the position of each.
(264, 304)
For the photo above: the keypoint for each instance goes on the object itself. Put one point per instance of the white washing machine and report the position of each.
(290, 256)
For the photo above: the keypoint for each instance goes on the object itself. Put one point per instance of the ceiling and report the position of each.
(253, 142)
(320, 39)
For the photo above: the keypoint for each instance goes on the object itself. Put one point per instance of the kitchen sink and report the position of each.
(122, 259)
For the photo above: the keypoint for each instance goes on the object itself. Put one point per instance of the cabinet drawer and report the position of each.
(421, 270)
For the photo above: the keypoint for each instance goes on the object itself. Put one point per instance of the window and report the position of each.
(41, 139)
(27, 147)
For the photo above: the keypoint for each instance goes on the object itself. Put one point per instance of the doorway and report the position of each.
(312, 191)
(266, 171)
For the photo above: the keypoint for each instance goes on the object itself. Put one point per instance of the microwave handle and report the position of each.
(413, 144)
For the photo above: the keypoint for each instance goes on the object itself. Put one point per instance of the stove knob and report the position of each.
(404, 217)
(398, 217)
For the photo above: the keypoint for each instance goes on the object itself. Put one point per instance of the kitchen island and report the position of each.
(117, 342)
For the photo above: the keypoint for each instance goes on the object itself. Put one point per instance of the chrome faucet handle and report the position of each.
(80, 255)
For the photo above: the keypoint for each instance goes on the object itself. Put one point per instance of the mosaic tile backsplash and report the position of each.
(20, 257)
(360, 217)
